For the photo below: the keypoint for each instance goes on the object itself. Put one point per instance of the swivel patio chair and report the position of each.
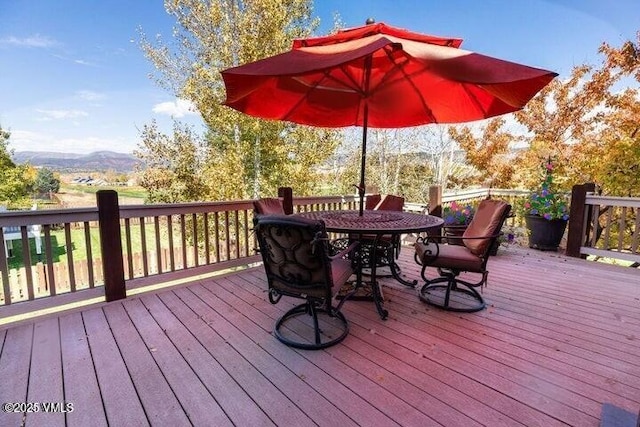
(448, 291)
(372, 201)
(268, 206)
(388, 247)
(297, 263)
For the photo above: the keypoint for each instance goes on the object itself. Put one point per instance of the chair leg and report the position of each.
(449, 293)
(336, 330)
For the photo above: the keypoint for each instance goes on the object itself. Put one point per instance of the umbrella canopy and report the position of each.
(382, 77)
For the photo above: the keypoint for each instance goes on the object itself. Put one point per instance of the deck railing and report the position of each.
(605, 226)
(90, 252)
(127, 247)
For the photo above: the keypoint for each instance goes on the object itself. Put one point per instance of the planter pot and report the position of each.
(454, 231)
(544, 234)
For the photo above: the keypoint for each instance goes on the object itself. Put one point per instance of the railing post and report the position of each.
(435, 200)
(578, 232)
(111, 245)
(287, 199)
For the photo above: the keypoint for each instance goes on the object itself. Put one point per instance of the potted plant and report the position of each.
(546, 214)
(456, 219)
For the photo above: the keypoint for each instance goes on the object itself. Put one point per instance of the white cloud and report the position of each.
(177, 108)
(62, 114)
(89, 95)
(35, 40)
(83, 62)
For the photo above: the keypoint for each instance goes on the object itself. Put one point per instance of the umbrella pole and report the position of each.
(365, 123)
(363, 159)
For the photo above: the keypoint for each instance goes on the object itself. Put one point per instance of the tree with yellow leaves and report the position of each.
(241, 156)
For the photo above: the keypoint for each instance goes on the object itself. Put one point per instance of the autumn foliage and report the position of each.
(588, 123)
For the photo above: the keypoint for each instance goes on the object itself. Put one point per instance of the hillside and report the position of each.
(96, 161)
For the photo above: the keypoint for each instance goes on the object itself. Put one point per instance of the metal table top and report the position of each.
(375, 222)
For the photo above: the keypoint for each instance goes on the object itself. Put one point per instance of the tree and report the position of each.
(172, 164)
(15, 180)
(243, 156)
(401, 161)
(488, 153)
(583, 123)
(46, 182)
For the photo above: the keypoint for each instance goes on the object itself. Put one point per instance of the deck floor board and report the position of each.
(560, 337)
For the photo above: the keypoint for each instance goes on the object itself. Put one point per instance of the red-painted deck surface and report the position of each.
(559, 338)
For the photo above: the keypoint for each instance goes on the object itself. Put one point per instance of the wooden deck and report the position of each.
(559, 338)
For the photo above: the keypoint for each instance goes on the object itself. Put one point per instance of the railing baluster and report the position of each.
(172, 258)
(237, 231)
(4, 272)
(69, 247)
(127, 234)
(246, 232)
(636, 232)
(183, 231)
(595, 218)
(622, 227)
(207, 255)
(87, 240)
(143, 243)
(48, 249)
(217, 235)
(26, 256)
(227, 236)
(607, 229)
(156, 222)
(194, 230)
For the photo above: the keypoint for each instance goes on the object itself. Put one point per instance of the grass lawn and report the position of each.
(78, 245)
(132, 192)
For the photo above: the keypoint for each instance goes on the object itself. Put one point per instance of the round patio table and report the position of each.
(377, 224)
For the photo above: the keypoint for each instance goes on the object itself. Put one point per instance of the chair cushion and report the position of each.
(391, 203)
(372, 201)
(449, 256)
(486, 221)
(269, 206)
(340, 272)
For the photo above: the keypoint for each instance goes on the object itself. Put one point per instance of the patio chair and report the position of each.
(297, 263)
(268, 206)
(448, 290)
(372, 201)
(388, 248)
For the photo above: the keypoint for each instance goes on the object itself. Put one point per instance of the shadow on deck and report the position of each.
(559, 338)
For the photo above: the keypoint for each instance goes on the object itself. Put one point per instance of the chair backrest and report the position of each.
(487, 221)
(295, 255)
(372, 201)
(269, 206)
(391, 203)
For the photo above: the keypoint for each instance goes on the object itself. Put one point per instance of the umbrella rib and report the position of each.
(400, 67)
(317, 85)
(355, 87)
(328, 88)
(474, 100)
(302, 98)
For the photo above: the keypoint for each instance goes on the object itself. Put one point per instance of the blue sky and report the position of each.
(73, 78)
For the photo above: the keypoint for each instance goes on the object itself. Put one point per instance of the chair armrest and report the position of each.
(492, 236)
(432, 249)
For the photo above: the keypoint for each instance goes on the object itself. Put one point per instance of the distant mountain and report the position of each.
(96, 161)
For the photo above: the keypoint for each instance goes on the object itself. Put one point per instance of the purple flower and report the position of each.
(547, 216)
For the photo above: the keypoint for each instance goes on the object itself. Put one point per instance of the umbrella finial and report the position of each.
(370, 21)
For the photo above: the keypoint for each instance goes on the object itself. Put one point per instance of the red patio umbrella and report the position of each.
(382, 77)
